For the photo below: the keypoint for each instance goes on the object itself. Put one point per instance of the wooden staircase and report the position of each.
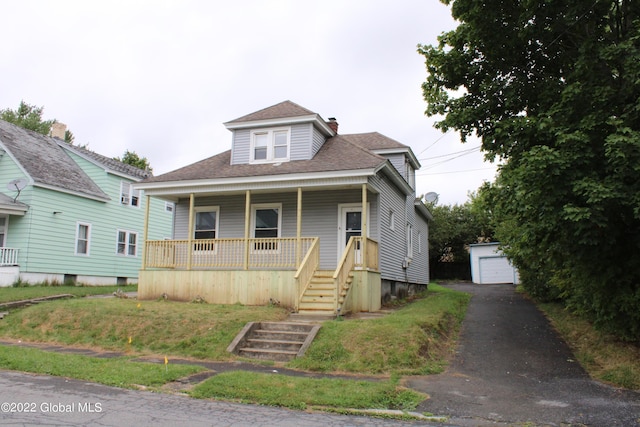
(278, 341)
(319, 298)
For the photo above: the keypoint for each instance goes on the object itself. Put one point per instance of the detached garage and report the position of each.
(489, 265)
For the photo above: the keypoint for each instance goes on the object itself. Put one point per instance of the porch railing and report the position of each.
(279, 253)
(8, 257)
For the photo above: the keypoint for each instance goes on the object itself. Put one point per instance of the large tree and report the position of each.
(552, 90)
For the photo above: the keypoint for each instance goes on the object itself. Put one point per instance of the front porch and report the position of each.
(282, 271)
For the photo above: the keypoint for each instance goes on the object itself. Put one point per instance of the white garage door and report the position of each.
(495, 270)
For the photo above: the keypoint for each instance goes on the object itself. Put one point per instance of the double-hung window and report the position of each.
(83, 236)
(409, 241)
(267, 223)
(127, 243)
(129, 196)
(270, 145)
(206, 226)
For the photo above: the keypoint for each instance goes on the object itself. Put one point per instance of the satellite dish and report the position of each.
(17, 184)
(431, 197)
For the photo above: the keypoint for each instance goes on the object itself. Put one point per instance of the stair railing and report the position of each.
(345, 266)
(307, 268)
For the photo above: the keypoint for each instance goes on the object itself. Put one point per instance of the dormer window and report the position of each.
(270, 145)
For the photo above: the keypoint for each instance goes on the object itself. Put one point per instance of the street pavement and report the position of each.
(37, 400)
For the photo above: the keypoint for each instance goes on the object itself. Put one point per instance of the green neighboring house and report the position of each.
(68, 214)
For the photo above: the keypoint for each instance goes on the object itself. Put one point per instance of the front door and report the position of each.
(349, 225)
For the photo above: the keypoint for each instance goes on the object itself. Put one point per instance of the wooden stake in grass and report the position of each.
(166, 364)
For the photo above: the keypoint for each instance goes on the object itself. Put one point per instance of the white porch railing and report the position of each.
(8, 256)
(280, 253)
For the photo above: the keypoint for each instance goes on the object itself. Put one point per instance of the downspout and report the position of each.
(190, 237)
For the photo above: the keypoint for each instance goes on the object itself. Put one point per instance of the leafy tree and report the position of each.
(131, 158)
(454, 228)
(28, 117)
(552, 90)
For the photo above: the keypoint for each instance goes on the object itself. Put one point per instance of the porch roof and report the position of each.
(8, 206)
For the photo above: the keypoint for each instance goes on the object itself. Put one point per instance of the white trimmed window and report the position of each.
(83, 238)
(409, 241)
(266, 222)
(419, 242)
(169, 207)
(392, 220)
(206, 222)
(129, 196)
(127, 243)
(270, 145)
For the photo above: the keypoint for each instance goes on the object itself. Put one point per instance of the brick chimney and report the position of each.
(333, 124)
(57, 130)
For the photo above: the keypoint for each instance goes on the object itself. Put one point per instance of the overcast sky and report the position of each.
(160, 77)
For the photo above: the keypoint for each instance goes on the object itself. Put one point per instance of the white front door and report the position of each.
(349, 224)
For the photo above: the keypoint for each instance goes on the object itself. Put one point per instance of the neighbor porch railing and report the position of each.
(279, 253)
(8, 256)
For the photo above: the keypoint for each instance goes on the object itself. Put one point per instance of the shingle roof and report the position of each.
(374, 141)
(46, 162)
(282, 110)
(337, 154)
(7, 202)
(107, 162)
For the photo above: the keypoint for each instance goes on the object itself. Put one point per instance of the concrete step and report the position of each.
(278, 341)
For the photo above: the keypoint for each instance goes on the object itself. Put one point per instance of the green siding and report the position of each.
(47, 240)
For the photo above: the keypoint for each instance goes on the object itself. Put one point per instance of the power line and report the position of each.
(434, 142)
(468, 150)
(452, 172)
(463, 153)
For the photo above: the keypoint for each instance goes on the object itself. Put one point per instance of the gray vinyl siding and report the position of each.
(240, 146)
(398, 162)
(319, 216)
(299, 148)
(318, 140)
(393, 246)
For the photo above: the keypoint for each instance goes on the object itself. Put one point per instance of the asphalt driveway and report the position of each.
(511, 368)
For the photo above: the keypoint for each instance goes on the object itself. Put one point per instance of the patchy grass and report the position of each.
(415, 339)
(201, 331)
(602, 355)
(38, 291)
(301, 393)
(119, 372)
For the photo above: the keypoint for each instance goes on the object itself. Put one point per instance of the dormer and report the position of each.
(281, 133)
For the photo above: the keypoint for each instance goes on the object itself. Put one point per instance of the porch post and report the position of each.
(190, 237)
(145, 233)
(299, 230)
(247, 224)
(364, 226)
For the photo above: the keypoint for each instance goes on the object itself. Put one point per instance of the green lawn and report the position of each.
(29, 292)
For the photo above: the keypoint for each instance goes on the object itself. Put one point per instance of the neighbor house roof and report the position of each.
(46, 163)
(106, 162)
(11, 205)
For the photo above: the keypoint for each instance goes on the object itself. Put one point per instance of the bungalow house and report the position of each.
(294, 213)
(68, 214)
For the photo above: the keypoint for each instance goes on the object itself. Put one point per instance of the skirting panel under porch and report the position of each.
(248, 287)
